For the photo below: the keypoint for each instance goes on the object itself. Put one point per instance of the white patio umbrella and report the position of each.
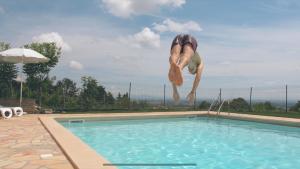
(21, 55)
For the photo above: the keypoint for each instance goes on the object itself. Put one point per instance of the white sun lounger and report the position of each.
(6, 112)
(17, 111)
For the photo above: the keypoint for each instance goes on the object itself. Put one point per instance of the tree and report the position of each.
(268, 106)
(261, 107)
(68, 86)
(91, 94)
(239, 105)
(67, 91)
(8, 72)
(110, 99)
(41, 70)
(204, 105)
(296, 107)
(122, 100)
(38, 73)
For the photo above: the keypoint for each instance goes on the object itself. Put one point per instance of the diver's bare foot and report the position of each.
(178, 79)
(172, 73)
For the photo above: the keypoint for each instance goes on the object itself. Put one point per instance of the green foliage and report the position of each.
(67, 87)
(63, 95)
(8, 72)
(296, 107)
(37, 80)
(122, 101)
(261, 107)
(239, 105)
(93, 94)
(41, 70)
(110, 99)
(139, 104)
(68, 92)
(204, 105)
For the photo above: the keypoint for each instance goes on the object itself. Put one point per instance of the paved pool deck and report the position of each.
(39, 142)
(26, 144)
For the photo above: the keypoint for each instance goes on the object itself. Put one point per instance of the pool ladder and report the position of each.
(220, 102)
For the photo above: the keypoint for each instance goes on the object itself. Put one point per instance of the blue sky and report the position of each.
(243, 43)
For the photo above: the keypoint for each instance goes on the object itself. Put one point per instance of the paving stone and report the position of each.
(26, 158)
(59, 166)
(44, 168)
(5, 163)
(19, 145)
(16, 165)
(31, 167)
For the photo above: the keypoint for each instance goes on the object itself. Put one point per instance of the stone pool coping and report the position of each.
(82, 156)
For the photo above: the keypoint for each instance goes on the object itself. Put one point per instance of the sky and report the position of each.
(243, 43)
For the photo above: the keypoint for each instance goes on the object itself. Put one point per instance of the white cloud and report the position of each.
(127, 8)
(75, 65)
(169, 25)
(53, 37)
(2, 10)
(145, 38)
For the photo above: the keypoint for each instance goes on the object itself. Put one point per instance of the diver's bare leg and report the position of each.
(174, 59)
(186, 56)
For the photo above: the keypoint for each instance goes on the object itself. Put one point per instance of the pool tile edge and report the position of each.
(293, 122)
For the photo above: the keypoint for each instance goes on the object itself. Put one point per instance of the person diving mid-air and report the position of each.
(183, 53)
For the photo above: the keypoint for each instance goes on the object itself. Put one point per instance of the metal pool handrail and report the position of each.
(213, 103)
(220, 107)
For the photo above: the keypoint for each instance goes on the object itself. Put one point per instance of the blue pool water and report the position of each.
(210, 143)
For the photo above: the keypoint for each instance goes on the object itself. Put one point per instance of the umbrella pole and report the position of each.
(21, 88)
(21, 93)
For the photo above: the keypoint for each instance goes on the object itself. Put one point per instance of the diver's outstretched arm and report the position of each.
(191, 95)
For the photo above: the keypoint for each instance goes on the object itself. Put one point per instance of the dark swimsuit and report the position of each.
(184, 39)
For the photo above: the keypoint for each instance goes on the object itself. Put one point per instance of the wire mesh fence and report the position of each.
(280, 97)
(148, 96)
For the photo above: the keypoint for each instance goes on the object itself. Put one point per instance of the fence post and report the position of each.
(164, 95)
(104, 99)
(220, 95)
(11, 90)
(64, 97)
(129, 93)
(286, 97)
(195, 100)
(250, 99)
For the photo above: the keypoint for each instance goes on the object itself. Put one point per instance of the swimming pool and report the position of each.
(198, 142)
